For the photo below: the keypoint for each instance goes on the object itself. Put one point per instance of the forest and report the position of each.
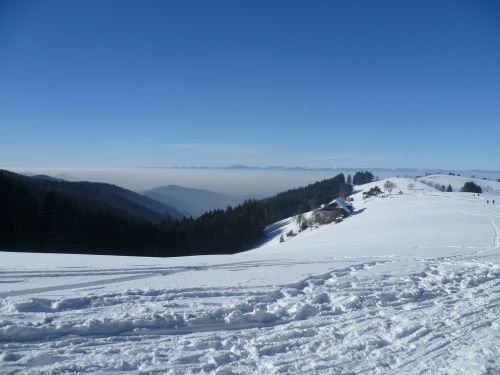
(39, 217)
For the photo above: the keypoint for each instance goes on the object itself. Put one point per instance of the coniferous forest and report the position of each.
(36, 216)
(361, 178)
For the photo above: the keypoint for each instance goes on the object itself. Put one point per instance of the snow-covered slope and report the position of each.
(408, 284)
(457, 182)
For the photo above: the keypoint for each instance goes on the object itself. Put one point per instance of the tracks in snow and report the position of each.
(393, 311)
(381, 315)
(496, 231)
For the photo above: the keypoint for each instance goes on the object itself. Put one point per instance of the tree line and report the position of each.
(361, 178)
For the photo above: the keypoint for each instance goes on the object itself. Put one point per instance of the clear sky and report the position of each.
(308, 83)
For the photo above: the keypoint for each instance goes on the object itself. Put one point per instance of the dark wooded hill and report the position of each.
(96, 193)
(194, 202)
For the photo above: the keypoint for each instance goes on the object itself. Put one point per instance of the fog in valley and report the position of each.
(257, 183)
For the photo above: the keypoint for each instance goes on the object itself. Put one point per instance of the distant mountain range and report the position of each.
(192, 202)
(328, 169)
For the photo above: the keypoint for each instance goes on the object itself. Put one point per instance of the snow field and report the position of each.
(409, 284)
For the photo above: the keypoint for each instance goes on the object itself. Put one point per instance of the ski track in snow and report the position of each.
(393, 314)
(496, 230)
(419, 316)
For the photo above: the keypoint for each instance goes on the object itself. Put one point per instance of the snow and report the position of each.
(408, 284)
(457, 182)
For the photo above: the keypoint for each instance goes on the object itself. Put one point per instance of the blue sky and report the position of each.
(308, 83)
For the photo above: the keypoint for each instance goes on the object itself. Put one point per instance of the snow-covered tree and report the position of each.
(299, 219)
(389, 186)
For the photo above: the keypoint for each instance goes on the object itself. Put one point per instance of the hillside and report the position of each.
(408, 284)
(457, 182)
(96, 193)
(41, 214)
(80, 217)
(193, 202)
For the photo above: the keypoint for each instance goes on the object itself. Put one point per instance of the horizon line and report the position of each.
(302, 168)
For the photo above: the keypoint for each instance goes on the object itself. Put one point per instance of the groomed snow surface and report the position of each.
(409, 284)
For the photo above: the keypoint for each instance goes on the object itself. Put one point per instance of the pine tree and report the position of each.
(471, 187)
